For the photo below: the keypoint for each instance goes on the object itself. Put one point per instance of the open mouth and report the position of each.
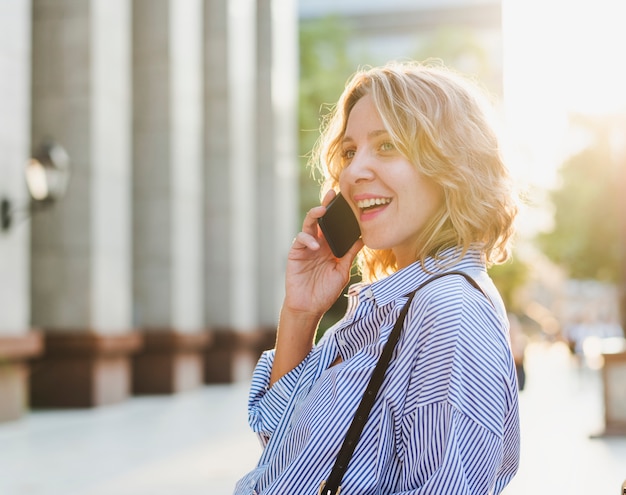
(372, 203)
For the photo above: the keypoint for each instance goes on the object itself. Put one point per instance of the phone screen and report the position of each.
(339, 226)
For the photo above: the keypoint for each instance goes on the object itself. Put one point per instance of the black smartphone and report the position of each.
(339, 226)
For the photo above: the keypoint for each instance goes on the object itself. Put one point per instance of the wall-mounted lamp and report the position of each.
(47, 176)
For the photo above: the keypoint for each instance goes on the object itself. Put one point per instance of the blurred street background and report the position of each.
(198, 442)
(153, 173)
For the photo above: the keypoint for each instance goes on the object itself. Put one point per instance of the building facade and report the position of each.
(160, 269)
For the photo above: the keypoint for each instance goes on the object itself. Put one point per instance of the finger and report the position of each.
(328, 197)
(304, 240)
(310, 220)
(353, 251)
(356, 247)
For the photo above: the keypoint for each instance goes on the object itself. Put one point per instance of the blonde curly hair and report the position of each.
(438, 120)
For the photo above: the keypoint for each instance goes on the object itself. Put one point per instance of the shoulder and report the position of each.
(456, 321)
(452, 294)
(438, 316)
(471, 309)
(458, 349)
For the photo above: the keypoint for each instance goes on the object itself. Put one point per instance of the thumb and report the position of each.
(352, 252)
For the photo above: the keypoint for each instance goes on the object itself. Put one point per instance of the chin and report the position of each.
(375, 244)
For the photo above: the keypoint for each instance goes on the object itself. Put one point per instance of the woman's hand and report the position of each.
(314, 281)
(314, 277)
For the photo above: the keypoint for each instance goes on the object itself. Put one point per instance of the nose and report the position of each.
(360, 168)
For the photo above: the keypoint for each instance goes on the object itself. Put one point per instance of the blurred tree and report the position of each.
(460, 48)
(324, 68)
(508, 278)
(585, 237)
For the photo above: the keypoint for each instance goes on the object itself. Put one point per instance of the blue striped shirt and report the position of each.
(446, 417)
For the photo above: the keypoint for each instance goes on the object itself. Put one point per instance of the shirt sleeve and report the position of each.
(450, 453)
(267, 405)
(463, 435)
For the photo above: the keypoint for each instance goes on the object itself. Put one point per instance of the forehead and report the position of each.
(363, 119)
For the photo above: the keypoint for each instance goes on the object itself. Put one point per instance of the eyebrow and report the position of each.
(370, 135)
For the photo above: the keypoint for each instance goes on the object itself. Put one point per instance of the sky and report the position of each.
(560, 57)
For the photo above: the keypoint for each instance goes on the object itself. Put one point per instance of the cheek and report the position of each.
(344, 183)
(428, 199)
(436, 197)
(431, 192)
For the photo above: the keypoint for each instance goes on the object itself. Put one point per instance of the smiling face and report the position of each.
(393, 201)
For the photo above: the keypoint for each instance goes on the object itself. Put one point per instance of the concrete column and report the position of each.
(266, 156)
(277, 96)
(251, 175)
(17, 342)
(242, 181)
(217, 165)
(230, 71)
(231, 188)
(619, 151)
(167, 177)
(81, 247)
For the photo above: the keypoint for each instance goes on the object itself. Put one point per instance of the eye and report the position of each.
(387, 146)
(348, 154)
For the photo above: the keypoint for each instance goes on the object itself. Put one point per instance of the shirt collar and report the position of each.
(408, 279)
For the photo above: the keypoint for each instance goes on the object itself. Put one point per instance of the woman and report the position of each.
(410, 148)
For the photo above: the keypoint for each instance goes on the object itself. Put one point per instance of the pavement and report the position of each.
(197, 443)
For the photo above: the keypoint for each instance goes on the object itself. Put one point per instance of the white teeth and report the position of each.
(368, 203)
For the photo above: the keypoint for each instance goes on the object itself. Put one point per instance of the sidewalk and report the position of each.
(197, 443)
(561, 409)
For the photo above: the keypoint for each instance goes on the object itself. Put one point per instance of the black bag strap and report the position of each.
(332, 484)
